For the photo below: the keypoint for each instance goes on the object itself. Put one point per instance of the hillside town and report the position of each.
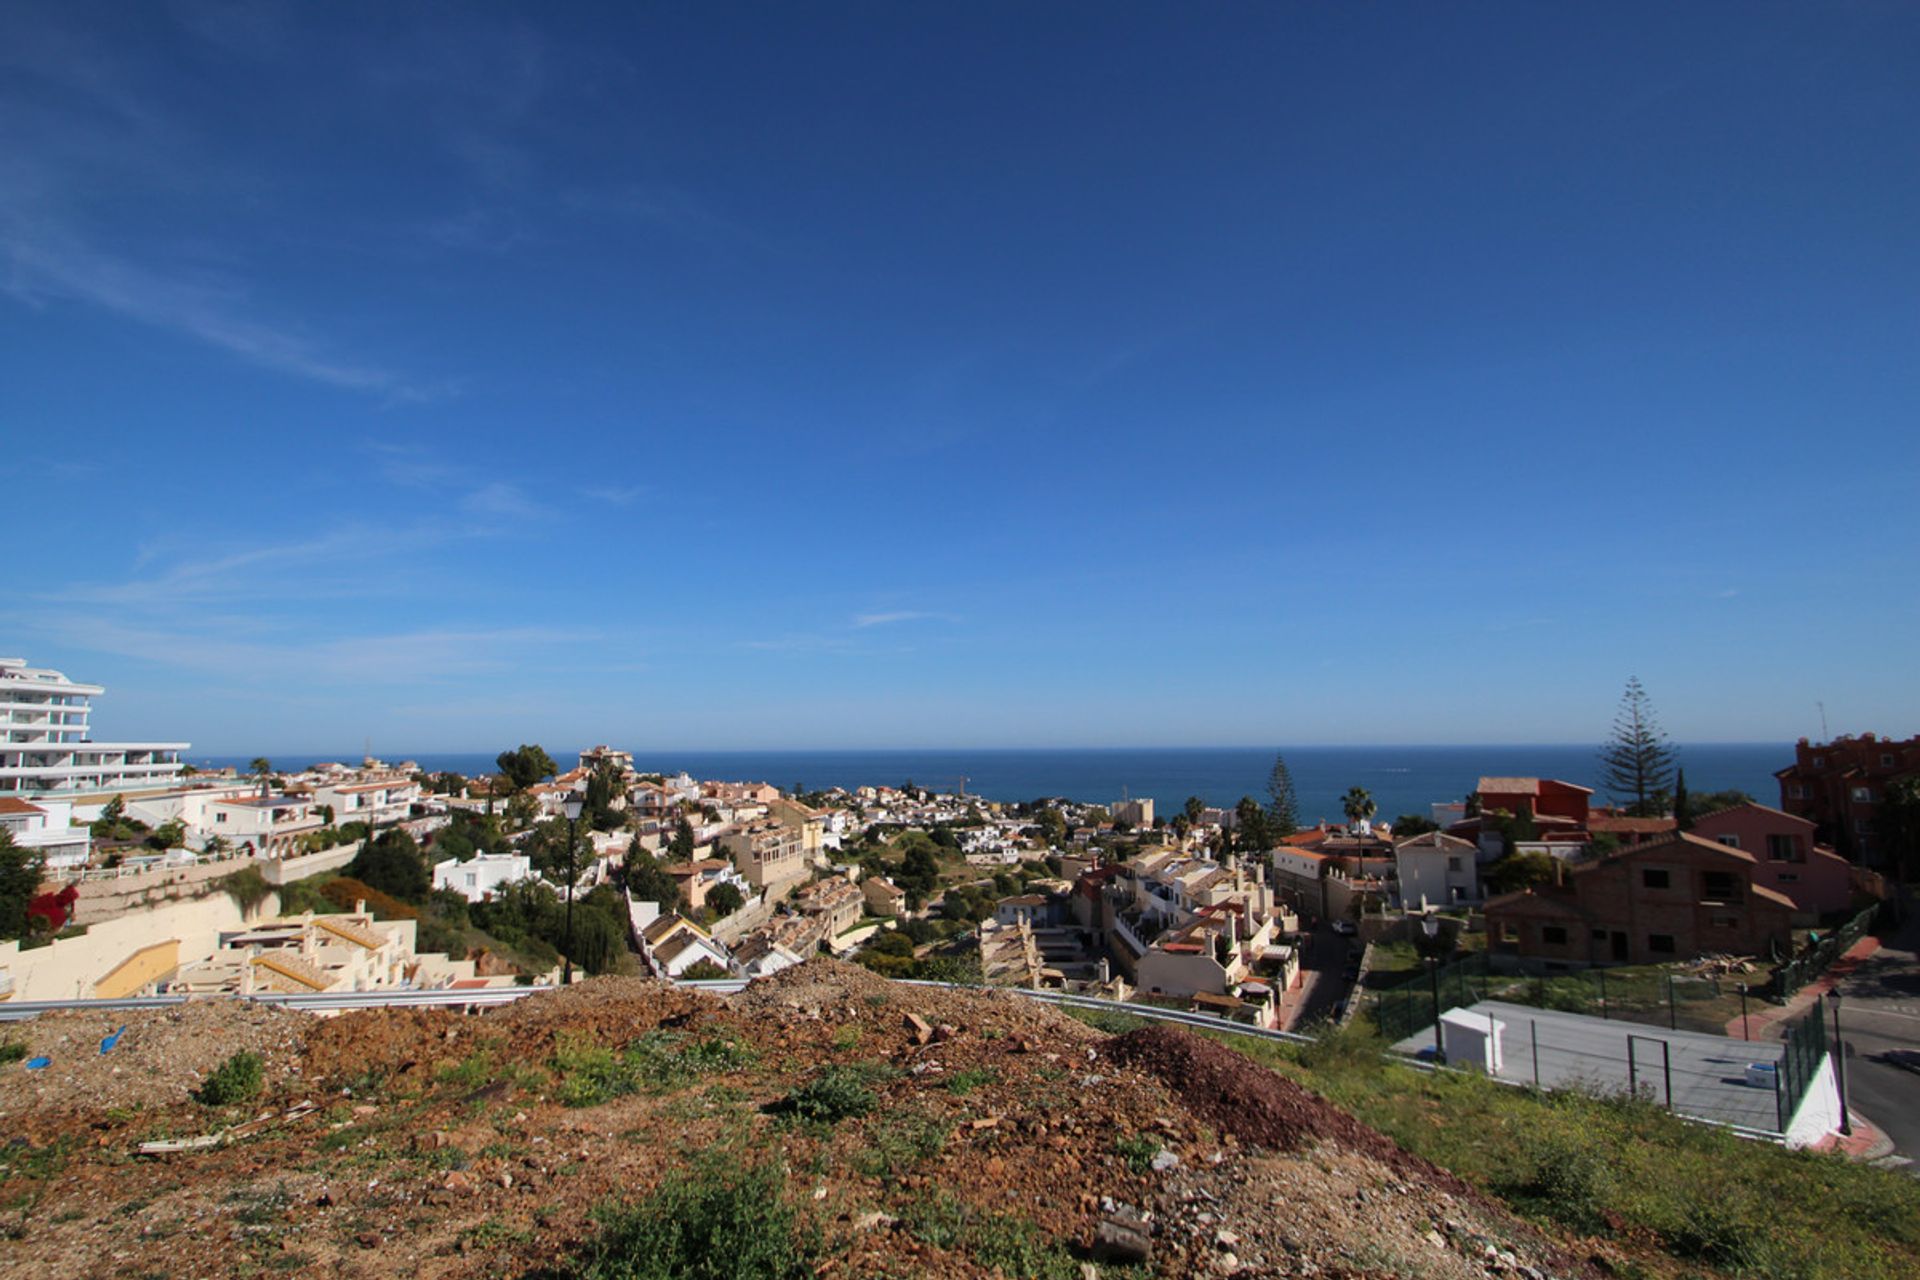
(156, 878)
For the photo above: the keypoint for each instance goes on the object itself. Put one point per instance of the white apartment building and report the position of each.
(45, 743)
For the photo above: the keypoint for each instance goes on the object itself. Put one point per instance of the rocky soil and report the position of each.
(442, 1145)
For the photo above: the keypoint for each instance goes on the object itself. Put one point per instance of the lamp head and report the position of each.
(572, 805)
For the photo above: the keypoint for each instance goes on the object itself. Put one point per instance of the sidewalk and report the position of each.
(1759, 1021)
(1867, 1142)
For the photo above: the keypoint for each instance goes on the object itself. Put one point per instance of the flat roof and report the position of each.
(1708, 1077)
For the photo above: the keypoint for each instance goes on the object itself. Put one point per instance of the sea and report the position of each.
(1402, 780)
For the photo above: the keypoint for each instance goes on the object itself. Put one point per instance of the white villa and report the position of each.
(483, 875)
(46, 750)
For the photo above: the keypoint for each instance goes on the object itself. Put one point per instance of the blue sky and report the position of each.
(713, 376)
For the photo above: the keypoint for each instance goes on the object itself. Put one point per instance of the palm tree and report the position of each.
(1359, 806)
(263, 770)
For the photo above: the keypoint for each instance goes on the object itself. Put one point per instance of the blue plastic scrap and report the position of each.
(39, 1063)
(107, 1044)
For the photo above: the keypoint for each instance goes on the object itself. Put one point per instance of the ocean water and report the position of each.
(1401, 779)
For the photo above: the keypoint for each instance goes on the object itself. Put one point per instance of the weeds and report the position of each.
(716, 1221)
(836, 1094)
(1138, 1150)
(897, 1143)
(657, 1062)
(1008, 1242)
(238, 1079)
(961, 1083)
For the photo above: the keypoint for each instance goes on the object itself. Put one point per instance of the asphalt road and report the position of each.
(1322, 961)
(1880, 1010)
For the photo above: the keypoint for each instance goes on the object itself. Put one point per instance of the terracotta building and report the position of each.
(1652, 904)
(1786, 859)
(1839, 786)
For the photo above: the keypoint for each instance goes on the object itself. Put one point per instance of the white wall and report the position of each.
(68, 968)
(1819, 1113)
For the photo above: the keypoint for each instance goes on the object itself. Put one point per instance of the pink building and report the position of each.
(1786, 859)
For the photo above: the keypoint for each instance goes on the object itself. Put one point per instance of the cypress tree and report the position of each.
(1682, 808)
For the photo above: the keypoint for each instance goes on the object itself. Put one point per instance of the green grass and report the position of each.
(1748, 1208)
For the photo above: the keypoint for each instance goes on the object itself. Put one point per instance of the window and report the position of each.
(1819, 762)
(1886, 762)
(1599, 935)
(1788, 877)
(1509, 932)
(1732, 842)
(1453, 864)
(1724, 922)
(1862, 795)
(1653, 878)
(1553, 935)
(1660, 943)
(1720, 886)
(1784, 849)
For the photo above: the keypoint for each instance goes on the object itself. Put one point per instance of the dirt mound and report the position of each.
(159, 1059)
(1252, 1103)
(979, 1133)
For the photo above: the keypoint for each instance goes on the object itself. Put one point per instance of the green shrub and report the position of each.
(12, 1051)
(714, 1222)
(836, 1094)
(236, 1080)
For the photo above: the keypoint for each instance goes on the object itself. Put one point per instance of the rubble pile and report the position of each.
(991, 1136)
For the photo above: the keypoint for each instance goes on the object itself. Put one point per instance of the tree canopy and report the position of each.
(526, 765)
(1637, 761)
(393, 864)
(19, 881)
(1358, 805)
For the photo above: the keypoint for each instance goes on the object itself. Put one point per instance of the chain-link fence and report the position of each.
(1641, 994)
(1800, 1063)
(1818, 956)
(1416, 1004)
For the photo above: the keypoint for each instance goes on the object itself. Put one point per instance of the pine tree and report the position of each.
(1283, 811)
(1638, 760)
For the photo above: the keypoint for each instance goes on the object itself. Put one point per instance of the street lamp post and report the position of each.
(1840, 1067)
(1431, 927)
(572, 807)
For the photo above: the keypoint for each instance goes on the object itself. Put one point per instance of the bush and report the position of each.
(836, 1094)
(236, 1080)
(714, 1222)
(12, 1051)
(345, 892)
(247, 887)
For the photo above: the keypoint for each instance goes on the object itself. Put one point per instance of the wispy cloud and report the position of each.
(499, 498)
(898, 616)
(396, 658)
(619, 496)
(55, 265)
